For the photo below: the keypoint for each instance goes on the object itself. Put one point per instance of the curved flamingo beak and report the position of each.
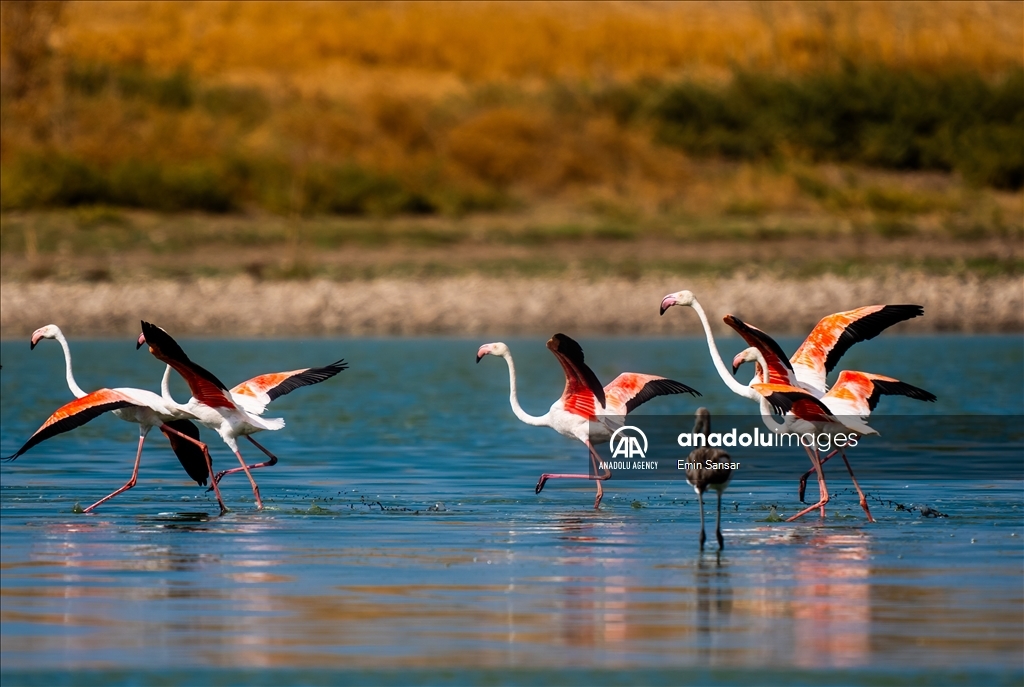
(35, 340)
(141, 342)
(737, 361)
(667, 303)
(484, 350)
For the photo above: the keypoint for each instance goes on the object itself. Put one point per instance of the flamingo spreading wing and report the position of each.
(834, 334)
(186, 449)
(257, 393)
(585, 408)
(134, 405)
(857, 393)
(233, 413)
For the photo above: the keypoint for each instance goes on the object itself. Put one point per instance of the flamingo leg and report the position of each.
(255, 488)
(718, 524)
(599, 476)
(206, 454)
(863, 500)
(803, 477)
(266, 464)
(135, 473)
(700, 502)
(822, 489)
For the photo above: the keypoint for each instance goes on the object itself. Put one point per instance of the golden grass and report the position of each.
(334, 47)
(463, 98)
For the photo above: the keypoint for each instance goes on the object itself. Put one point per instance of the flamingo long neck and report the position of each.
(513, 399)
(165, 390)
(716, 357)
(72, 384)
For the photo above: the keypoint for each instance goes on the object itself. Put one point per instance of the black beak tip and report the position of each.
(32, 346)
(138, 345)
(663, 309)
(734, 369)
(479, 358)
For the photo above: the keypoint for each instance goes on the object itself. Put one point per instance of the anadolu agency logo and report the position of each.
(627, 445)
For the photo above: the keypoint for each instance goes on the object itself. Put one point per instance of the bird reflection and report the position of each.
(832, 604)
(714, 595)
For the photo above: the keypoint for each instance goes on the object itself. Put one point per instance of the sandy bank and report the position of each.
(477, 305)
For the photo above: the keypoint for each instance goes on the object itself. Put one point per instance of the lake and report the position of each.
(402, 541)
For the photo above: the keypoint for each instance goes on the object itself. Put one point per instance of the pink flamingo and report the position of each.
(234, 413)
(147, 410)
(52, 331)
(818, 355)
(586, 411)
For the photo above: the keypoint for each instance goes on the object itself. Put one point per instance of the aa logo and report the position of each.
(626, 443)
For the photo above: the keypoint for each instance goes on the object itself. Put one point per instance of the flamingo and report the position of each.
(770, 368)
(576, 414)
(147, 410)
(52, 331)
(853, 397)
(234, 413)
(143, 408)
(686, 298)
(701, 475)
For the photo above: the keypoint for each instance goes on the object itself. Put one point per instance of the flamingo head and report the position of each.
(748, 355)
(497, 348)
(50, 331)
(678, 298)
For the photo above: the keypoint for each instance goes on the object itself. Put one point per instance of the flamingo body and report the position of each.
(142, 407)
(137, 406)
(233, 413)
(586, 411)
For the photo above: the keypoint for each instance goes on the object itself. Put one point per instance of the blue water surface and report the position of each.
(402, 541)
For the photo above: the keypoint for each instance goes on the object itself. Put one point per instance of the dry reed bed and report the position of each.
(477, 305)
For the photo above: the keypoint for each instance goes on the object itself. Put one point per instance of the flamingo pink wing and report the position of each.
(833, 335)
(203, 384)
(267, 387)
(582, 387)
(631, 389)
(75, 414)
(862, 390)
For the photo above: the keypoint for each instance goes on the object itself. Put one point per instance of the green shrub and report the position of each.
(872, 116)
(352, 190)
(53, 180)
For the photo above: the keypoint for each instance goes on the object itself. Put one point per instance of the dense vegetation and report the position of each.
(405, 109)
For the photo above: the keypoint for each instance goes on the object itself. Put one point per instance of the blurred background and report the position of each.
(755, 146)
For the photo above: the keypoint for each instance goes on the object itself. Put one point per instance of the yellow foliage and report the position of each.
(483, 41)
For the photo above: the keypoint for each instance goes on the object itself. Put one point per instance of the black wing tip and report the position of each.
(908, 310)
(567, 345)
(680, 388)
(908, 390)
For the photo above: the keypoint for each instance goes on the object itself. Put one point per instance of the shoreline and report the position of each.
(242, 306)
